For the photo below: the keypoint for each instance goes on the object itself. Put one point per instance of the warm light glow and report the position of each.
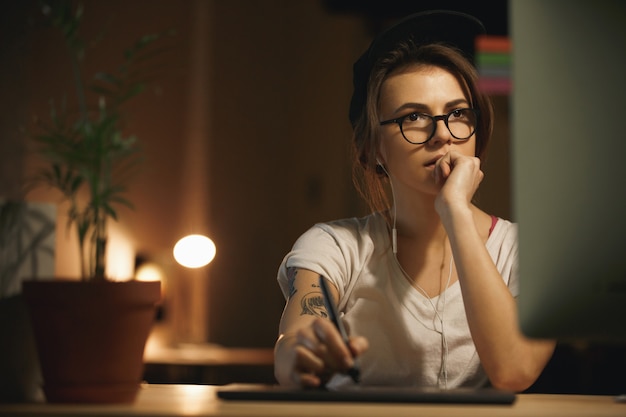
(149, 272)
(192, 398)
(194, 251)
(120, 256)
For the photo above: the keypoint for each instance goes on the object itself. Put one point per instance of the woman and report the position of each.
(427, 282)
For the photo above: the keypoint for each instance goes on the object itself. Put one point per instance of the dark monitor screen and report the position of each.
(569, 166)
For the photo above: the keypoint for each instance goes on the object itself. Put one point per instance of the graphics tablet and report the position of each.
(356, 393)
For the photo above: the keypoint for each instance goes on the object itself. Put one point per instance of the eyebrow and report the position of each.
(424, 108)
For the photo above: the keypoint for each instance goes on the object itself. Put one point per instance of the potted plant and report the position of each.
(90, 334)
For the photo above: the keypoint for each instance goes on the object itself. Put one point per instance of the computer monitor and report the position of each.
(568, 108)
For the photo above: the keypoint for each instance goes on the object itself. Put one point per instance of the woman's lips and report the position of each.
(431, 163)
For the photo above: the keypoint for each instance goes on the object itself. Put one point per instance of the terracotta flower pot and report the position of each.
(90, 337)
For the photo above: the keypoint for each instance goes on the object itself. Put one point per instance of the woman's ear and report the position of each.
(380, 166)
(381, 155)
(380, 159)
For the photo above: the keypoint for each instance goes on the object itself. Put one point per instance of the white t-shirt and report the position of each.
(378, 302)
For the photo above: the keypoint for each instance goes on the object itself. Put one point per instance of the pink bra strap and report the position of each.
(494, 220)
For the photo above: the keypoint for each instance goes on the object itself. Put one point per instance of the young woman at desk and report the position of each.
(427, 282)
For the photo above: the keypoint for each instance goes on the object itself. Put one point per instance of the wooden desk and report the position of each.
(200, 400)
(208, 354)
(207, 364)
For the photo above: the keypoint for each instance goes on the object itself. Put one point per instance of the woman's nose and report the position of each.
(442, 133)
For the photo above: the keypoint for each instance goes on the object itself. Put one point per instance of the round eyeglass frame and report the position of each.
(435, 119)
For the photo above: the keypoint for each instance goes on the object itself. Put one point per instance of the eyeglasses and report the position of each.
(419, 128)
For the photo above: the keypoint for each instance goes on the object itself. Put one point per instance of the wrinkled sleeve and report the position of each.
(321, 249)
(505, 256)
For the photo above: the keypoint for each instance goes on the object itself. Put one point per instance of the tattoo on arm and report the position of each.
(291, 280)
(313, 304)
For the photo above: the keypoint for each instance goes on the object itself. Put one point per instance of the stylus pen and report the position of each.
(333, 315)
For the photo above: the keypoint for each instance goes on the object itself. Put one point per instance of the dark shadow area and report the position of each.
(587, 369)
(494, 15)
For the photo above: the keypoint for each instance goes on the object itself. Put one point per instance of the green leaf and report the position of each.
(86, 149)
(109, 210)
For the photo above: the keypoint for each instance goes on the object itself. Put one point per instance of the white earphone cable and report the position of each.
(443, 372)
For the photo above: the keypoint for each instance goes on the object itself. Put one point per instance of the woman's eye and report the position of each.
(413, 117)
(458, 114)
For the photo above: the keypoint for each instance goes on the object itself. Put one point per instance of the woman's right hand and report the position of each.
(310, 349)
(313, 354)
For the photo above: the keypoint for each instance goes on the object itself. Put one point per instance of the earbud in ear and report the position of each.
(380, 168)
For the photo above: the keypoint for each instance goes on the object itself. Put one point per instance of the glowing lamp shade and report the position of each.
(194, 251)
(149, 272)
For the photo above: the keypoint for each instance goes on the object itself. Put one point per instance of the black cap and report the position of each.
(442, 26)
